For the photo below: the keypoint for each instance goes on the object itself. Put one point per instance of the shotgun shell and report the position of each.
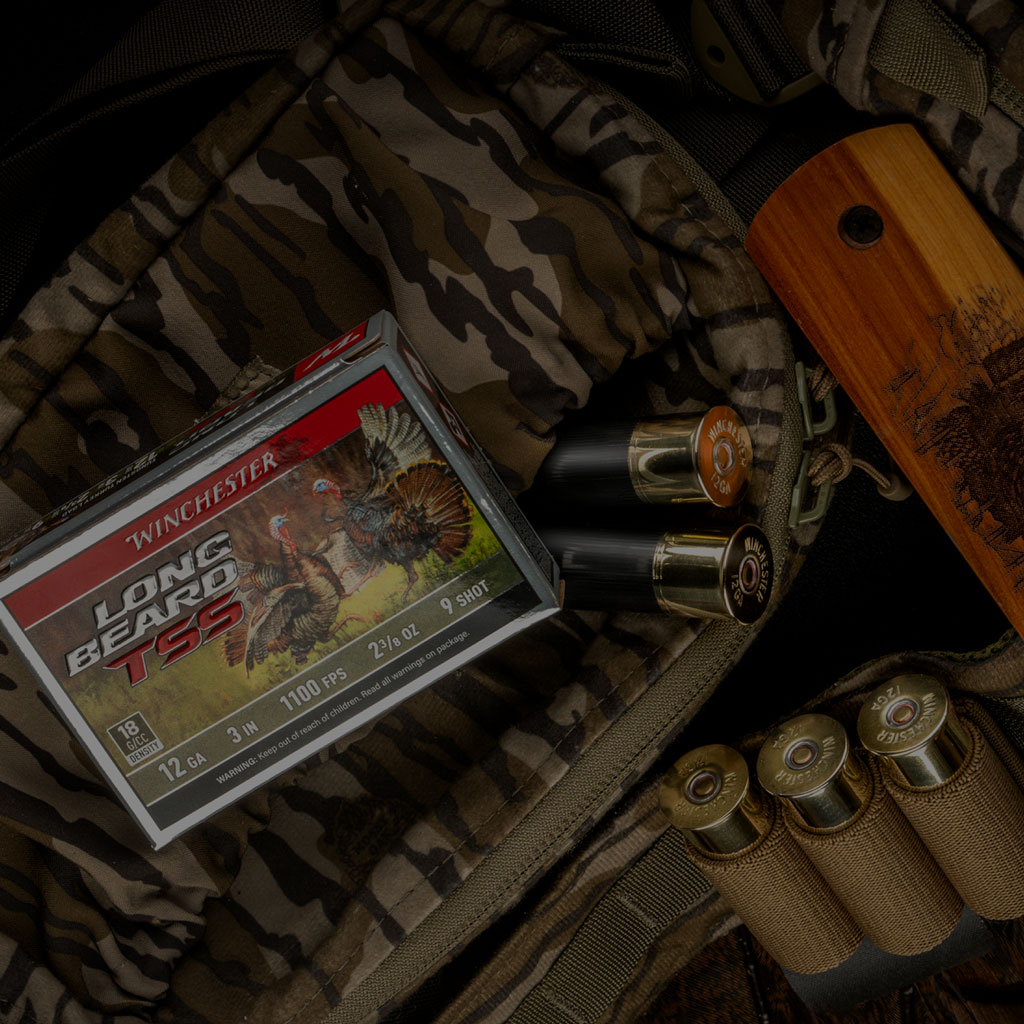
(725, 574)
(666, 461)
(807, 762)
(707, 794)
(910, 721)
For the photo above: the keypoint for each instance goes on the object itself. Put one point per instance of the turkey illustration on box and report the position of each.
(258, 588)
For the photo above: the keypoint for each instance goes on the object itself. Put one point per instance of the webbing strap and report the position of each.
(632, 23)
(757, 36)
(1006, 96)
(630, 36)
(919, 45)
(613, 942)
(744, 150)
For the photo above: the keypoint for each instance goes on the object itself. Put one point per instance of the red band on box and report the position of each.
(331, 351)
(204, 500)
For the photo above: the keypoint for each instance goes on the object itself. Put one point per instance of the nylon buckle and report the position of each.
(722, 63)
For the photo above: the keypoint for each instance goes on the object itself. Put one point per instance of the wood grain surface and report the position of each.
(923, 328)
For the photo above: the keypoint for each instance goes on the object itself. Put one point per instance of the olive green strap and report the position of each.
(1006, 96)
(755, 32)
(615, 939)
(918, 44)
(635, 36)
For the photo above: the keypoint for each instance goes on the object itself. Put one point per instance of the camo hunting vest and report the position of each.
(492, 849)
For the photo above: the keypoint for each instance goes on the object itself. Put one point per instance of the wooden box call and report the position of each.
(919, 313)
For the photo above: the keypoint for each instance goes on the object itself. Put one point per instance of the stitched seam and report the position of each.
(743, 272)
(451, 855)
(745, 275)
(743, 269)
(377, 927)
(511, 36)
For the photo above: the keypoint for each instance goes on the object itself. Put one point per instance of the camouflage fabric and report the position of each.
(703, 938)
(534, 240)
(540, 244)
(726, 976)
(975, 125)
(957, 74)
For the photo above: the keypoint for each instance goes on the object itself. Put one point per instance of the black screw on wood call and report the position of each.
(665, 461)
(705, 573)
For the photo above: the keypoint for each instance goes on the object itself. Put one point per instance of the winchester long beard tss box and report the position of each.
(259, 587)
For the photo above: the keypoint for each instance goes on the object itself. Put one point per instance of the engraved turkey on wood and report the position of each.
(291, 605)
(414, 505)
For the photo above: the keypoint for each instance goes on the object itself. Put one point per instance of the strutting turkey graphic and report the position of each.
(413, 505)
(291, 605)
